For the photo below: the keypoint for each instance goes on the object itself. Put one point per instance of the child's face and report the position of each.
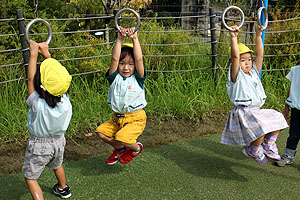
(246, 62)
(126, 66)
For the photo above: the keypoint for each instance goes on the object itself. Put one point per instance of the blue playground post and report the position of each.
(265, 4)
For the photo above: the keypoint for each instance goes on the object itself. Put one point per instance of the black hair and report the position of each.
(126, 51)
(49, 98)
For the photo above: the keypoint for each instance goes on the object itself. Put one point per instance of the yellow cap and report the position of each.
(242, 49)
(54, 77)
(127, 45)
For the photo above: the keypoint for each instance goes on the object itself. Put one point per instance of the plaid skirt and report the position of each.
(246, 124)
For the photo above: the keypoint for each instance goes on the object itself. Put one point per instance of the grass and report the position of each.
(185, 95)
(192, 169)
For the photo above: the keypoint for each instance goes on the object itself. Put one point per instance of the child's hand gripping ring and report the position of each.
(224, 14)
(265, 24)
(131, 10)
(38, 20)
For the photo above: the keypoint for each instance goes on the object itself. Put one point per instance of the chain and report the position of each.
(35, 2)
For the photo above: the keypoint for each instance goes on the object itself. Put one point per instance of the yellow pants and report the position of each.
(124, 127)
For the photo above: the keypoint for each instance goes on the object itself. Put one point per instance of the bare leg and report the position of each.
(35, 189)
(117, 144)
(111, 141)
(258, 141)
(60, 176)
(275, 132)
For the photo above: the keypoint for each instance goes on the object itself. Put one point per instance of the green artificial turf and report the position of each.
(192, 169)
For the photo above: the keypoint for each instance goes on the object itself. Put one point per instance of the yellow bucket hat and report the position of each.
(242, 49)
(127, 45)
(54, 77)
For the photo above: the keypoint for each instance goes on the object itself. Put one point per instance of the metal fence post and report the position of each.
(213, 37)
(107, 35)
(24, 44)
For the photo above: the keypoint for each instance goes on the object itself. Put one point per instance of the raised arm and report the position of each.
(35, 49)
(137, 51)
(235, 54)
(259, 49)
(44, 50)
(31, 70)
(115, 57)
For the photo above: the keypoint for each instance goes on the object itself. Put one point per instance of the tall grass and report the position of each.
(13, 111)
(188, 95)
(181, 95)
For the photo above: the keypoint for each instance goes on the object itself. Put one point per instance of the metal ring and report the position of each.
(235, 8)
(131, 10)
(38, 20)
(260, 10)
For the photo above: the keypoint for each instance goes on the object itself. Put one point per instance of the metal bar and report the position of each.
(214, 41)
(198, 16)
(155, 56)
(83, 46)
(11, 34)
(9, 65)
(263, 4)
(24, 45)
(194, 30)
(76, 19)
(9, 50)
(11, 19)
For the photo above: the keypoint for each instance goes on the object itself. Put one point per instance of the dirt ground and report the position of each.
(156, 133)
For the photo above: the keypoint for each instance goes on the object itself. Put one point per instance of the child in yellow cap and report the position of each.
(248, 125)
(126, 97)
(48, 118)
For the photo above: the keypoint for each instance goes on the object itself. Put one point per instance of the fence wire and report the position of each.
(195, 30)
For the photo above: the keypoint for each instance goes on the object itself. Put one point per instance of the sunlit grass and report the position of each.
(178, 95)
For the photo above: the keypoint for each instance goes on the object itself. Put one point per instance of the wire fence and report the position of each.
(205, 32)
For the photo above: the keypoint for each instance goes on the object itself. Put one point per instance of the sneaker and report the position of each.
(271, 151)
(285, 160)
(65, 193)
(259, 156)
(129, 155)
(114, 157)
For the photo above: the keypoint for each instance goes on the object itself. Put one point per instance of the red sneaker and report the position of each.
(114, 157)
(129, 155)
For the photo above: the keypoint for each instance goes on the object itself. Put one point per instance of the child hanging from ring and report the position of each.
(126, 98)
(247, 124)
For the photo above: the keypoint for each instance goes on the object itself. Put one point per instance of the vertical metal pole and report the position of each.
(262, 23)
(252, 27)
(107, 35)
(213, 37)
(24, 44)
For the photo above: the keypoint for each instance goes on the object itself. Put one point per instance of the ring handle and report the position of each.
(260, 10)
(234, 8)
(38, 20)
(131, 10)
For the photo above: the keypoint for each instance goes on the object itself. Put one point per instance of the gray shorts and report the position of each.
(42, 152)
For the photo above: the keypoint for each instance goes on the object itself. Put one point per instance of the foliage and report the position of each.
(98, 6)
(284, 38)
(165, 92)
(137, 4)
(81, 6)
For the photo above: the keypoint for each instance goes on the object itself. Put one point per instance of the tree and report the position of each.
(106, 6)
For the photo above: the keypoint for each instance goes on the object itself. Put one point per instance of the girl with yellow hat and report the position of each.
(247, 124)
(48, 118)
